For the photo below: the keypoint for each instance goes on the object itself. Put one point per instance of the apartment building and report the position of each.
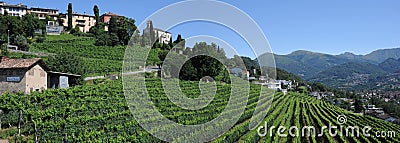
(83, 21)
(13, 10)
(42, 13)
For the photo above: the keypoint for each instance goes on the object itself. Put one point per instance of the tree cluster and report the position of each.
(21, 29)
(120, 30)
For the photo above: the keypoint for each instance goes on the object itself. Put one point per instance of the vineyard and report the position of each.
(99, 113)
(97, 59)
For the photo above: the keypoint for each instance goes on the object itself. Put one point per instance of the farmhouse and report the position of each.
(28, 75)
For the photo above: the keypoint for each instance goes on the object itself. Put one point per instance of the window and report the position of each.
(42, 74)
(31, 72)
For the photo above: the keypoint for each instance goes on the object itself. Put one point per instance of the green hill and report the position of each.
(97, 59)
(348, 75)
(390, 65)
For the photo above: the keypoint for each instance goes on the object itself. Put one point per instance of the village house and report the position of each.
(42, 13)
(106, 17)
(28, 75)
(13, 10)
(240, 72)
(83, 21)
(163, 36)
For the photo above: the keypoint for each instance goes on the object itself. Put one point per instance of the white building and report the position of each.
(163, 36)
(274, 84)
(42, 13)
(83, 21)
(13, 10)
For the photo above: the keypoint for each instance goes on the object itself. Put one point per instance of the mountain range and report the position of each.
(345, 70)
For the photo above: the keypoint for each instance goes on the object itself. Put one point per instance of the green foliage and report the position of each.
(189, 72)
(69, 16)
(40, 39)
(318, 87)
(31, 23)
(98, 60)
(66, 62)
(99, 113)
(75, 31)
(179, 42)
(21, 42)
(120, 31)
(358, 106)
(113, 25)
(96, 15)
(105, 39)
(15, 26)
(3, 50)
(152, 58)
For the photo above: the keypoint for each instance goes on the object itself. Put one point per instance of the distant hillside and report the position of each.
(390, 65)
(383, 54)
(307, 64)
(348, 75)
(284, 75)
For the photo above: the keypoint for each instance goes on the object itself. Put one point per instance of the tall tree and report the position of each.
(179, 41)
(171, 45)
(358, 106)
(113, 25)
(69, 16)
(31, 23)
(151, 34)
(96, 15)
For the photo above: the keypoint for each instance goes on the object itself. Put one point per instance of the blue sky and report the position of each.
(333, 27)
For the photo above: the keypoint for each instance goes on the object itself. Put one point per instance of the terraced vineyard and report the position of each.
(100, 113)
(97, 59)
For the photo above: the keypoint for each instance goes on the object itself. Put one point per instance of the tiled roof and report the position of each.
(6, 63)
(111, 14)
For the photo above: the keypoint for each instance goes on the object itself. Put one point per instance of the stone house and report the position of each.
(22, 75)
(28, 75)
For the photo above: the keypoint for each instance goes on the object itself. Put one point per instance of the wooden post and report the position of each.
(19, 123)
(1, 114)
(36, 136)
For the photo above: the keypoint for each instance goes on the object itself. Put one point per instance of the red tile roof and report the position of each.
(110, 14)
(7, 63)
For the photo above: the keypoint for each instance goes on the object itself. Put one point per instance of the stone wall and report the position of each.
(12, 86)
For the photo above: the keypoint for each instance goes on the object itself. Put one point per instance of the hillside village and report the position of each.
(70, 64)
